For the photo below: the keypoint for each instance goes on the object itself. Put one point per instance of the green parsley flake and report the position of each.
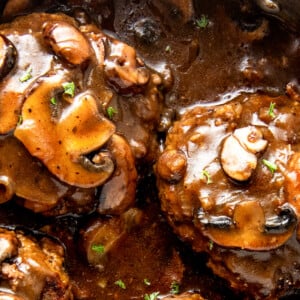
(271, 166)
(53, 101)
(202, 22)
(147, 281)
(20, 120)
(210, 245)
(121, 284)
(168, 48)
(98, 248)
(111, 112)
(69, 88)
(175, 288)
(205, 174)
(152, 296)
(27, 75)
(271, 110)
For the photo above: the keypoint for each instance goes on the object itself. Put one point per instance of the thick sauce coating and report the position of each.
(228, 171)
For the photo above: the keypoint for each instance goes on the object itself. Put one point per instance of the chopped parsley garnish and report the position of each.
(271, 166)
(20, 120)
(27, 75)
(152, 296)
(271, 110)
(168, 48)
(69, 88)
(98, 248)
(111, 112)
(174, 288)
(202, 22)
(147, 281)
(53, 101)
(121, 284)
(205, 174)
(210, 245)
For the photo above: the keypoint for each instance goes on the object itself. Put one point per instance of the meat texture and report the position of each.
(228, 179)
(32, 269)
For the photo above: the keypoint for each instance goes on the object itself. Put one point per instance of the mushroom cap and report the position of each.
(118, 194)
(67, 41)
(123, 69)
(62, 142)
(237, 162)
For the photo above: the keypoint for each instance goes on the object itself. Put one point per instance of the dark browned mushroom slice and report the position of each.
(238, 157)
(7, 188)
(37, 189)
(26, 70)
(118, 194)
(105, 234)
(8, 55)
(67, 42)
(79, 131)
(249, 228)
(123, 69)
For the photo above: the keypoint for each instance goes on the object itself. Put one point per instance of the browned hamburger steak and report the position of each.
(228, 178)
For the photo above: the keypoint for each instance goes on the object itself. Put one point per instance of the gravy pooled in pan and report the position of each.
(149, 150)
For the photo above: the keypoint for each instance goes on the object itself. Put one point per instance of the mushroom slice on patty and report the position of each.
(249, 227)
(61, 143)
(238, 152)
(118, 194)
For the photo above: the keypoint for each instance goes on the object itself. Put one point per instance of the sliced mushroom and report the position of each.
(118, 194)
(103, 235)
(8, 55)
(67, 42)
(251, 139)
(238, 157)
(123, 69)
(147, 30)
(250, 229)
(7, 189)
(37, 189)
(237, 162)
(26, 70)
(79, 131)
(223, 222)
(280, 223)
